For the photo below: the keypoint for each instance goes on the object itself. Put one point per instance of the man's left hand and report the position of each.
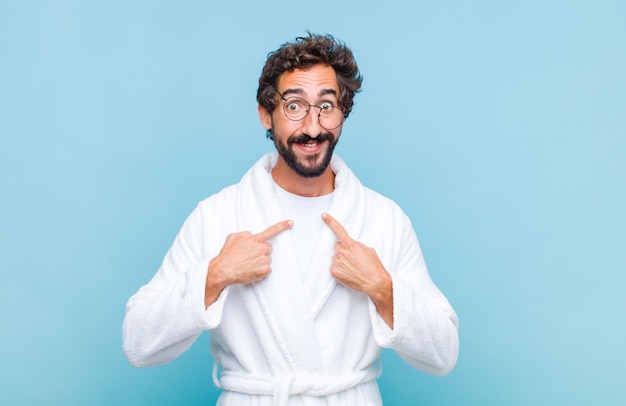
(358, 267)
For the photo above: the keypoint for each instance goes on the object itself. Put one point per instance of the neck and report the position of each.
(290, 181)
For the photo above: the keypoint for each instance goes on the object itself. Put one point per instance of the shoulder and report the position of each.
(383, 205)
(376, 204)
(213, 217)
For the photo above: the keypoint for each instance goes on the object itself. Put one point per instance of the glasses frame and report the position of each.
(319, 114)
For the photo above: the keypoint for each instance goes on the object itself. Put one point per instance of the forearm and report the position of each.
(425, 332)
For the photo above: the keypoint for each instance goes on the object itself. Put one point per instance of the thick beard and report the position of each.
(286, 151)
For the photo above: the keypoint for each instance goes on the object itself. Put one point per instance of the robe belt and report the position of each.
(299, 383)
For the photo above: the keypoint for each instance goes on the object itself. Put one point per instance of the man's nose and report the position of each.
(311, 123)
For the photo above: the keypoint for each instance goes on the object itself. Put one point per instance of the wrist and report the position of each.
(215, 283)
(382, 297)
(382, 292)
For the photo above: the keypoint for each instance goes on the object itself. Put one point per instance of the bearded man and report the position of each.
(300, 274)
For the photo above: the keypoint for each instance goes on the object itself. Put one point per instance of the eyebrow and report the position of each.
(300, 92)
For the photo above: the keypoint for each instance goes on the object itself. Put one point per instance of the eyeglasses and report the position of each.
(296, 109)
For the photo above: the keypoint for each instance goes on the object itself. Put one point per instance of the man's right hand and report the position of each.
(244, 258)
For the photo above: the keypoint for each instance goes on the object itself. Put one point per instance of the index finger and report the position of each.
(337, 228)
(273, 230)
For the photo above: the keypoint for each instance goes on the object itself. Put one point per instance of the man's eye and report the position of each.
(293, 106)
(327, 107)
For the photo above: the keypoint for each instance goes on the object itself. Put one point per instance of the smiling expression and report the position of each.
(304, 146)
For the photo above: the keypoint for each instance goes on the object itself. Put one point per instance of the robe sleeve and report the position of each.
(168, 314)
(425, 332)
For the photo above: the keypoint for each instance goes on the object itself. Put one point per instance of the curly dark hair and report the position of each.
(303, 53)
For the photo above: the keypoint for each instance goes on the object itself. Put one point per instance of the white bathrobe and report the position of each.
(289, 339)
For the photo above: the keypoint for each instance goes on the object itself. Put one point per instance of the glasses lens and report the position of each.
(330, 116)
(296, 108)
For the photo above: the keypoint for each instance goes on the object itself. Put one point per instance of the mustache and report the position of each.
(303, 138)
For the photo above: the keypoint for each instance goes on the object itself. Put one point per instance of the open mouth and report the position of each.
(310, 146)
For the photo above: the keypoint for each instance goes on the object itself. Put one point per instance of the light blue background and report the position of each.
(498, 126)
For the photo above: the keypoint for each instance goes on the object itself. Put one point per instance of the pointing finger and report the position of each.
(273, 230)
(337, 228)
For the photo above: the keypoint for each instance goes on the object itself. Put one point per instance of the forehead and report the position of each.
(309, 81)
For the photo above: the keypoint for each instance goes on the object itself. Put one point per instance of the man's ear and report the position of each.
(265, 117)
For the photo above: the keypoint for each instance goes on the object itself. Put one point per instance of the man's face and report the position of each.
(305, 145)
